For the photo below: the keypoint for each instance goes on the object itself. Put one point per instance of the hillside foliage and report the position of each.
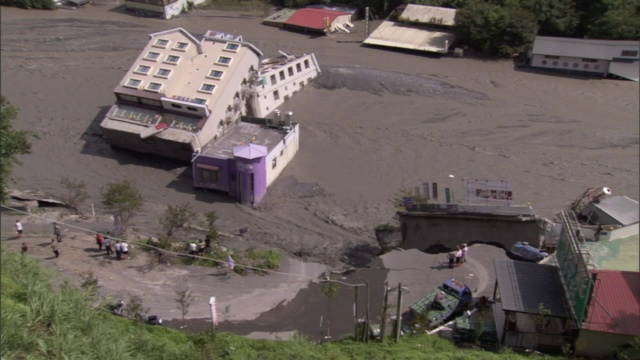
(29, 4)
(69, 321)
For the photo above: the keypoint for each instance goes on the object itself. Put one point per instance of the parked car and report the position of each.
(526, 252)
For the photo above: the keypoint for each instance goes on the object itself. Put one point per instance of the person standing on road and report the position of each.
(107, 244)
(99, 241)
(57, 232)
(465, 250)
(452, 258)
(54, 247)
(19, 228)
(118, 247)
(201, 247)
(192, 250)
(458, 256)
(124, 248)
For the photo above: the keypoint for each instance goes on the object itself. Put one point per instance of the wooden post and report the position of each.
(366, 329)
(383, 326)
(355, 314)
(398, 319)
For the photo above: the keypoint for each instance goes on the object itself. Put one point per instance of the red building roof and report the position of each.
(313, 18)
(615, 303)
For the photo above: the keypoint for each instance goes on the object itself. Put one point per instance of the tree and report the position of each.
(495, 29)
(554, 17)
(176, 217)
(184, 298)
(12, 143)
(30, 4)
(620, 21)
(212, 231)
(75, 194)
(124, 200)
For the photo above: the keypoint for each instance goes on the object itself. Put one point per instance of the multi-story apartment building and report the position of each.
(280, 78)
(181, 93)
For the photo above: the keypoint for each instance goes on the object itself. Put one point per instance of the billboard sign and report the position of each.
(489, 191)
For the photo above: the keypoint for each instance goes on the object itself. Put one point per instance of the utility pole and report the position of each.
(355, 313)
(383, 326)
(366, 331)
(366, 21)
(398, 319)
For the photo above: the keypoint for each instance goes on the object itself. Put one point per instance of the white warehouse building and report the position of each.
(595, 57)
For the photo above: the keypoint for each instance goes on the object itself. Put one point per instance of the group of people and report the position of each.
(119, 248)
(199, 248)
(458, 257)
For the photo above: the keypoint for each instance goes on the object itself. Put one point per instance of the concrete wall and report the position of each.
(599, 344)
(283, 153)
(423, 231)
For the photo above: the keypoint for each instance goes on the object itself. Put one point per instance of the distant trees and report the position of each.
(30, 4)
(612, 19)
(12, 143)
(75, 193)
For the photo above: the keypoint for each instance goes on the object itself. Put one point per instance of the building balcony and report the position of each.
(148, 117)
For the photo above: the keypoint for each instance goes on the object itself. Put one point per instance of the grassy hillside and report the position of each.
(71, 322)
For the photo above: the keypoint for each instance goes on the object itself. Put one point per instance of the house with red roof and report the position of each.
(613, 314)
(319, 20)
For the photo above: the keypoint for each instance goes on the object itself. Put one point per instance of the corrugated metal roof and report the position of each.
(615, 303)
(524, 286)
(393, 34)
(279, 17)
(428, 15)
(621, 208)
(583, 48)
(313, 18)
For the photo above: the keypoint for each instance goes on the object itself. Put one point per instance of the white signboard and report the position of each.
(489, 191)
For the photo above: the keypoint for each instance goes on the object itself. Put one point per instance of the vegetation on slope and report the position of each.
(40, 321)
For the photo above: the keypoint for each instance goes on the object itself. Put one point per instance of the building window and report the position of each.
(590, 60)
(210, 175)
(207, 88)
(182, 46)
(133, 83)
(200, 101)
(153, 86)
(161, 43)
(232, 47)
(143, 69)
(163, 73)
(298, 67)
(633, 53)
(290, 69)
(172, 59)
(306, 64)
(151, 102)
(128, 98)
(153, 56)
(276, 95)
(273, 79)
(223, 60)
(281, 152)
(274, 163)
(282, 75)
(552, 57)
(177, 106)
(191, 108)
(215, 74)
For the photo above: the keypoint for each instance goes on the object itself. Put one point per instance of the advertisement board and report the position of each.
(488, 191)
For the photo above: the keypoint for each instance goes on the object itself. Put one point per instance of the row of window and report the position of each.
(290, 72)
(553, 57)
(156, 87)
(145, 69)
(182, 46)
(159, 104)
(575, 65)
(175, 59)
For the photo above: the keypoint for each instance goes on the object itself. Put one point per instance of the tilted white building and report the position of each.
(589, 56)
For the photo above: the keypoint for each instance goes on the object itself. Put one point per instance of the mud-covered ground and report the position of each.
(374, 122)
